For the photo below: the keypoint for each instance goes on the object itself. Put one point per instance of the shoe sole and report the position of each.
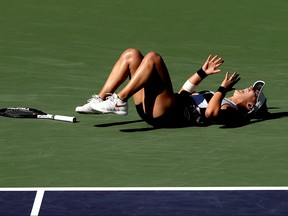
(96, 112)
(88, 112)
(123, 113)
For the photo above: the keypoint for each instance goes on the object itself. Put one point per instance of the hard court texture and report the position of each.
(55, 54)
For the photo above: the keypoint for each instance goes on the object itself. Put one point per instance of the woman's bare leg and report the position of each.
(125, 67)
(150, 85)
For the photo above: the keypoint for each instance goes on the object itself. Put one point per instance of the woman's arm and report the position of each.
(214, 105)
(209, 67)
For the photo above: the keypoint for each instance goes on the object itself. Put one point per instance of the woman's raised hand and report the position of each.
(212, 64)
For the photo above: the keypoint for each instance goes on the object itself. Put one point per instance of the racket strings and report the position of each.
(18, 113)
(21, 112)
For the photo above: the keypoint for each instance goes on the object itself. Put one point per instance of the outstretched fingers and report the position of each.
(235, 77)
(230, 81)
(212, 64)
(215, 57)
(217, 61)
(209, 58)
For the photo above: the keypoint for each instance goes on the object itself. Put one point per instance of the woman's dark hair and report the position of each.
(261, 113)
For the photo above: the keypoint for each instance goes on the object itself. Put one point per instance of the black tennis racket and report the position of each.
(21, 112)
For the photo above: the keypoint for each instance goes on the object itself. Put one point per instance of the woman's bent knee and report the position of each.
(153, 56)
(131, 52)
(132, 55)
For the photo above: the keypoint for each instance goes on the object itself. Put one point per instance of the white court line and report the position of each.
(43, 189)
(37, 202)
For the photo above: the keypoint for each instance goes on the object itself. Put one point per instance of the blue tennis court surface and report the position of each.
(143, 201)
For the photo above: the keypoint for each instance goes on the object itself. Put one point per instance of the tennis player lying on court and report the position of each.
(159, 106)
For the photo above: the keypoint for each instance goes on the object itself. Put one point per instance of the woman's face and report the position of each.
(247, 95)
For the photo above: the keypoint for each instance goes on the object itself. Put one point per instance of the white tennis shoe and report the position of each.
(112, 104)
(86, 108)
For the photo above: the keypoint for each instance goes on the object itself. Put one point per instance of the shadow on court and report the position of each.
(270, 116)
(149, 128)
(118, 123)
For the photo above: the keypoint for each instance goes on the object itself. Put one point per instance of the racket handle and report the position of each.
(65, 118)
